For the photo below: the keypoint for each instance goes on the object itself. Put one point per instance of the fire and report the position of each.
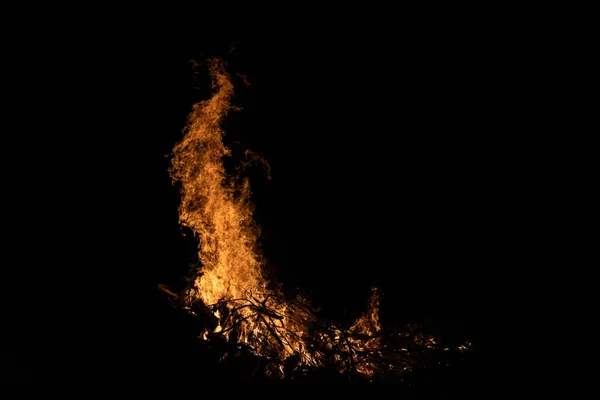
(217, 209)
(210, 206)
(231, 285)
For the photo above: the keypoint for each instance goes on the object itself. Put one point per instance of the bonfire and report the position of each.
(229, 293)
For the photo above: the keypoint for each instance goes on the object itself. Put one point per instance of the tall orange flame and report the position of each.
(212, 205)
(217, 209)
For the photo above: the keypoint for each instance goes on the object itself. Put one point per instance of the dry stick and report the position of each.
(265, 310)
(227, 301)
(349, 345)
(291, 333)
(165, 289)
(272, 331)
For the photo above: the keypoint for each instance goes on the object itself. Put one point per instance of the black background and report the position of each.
(387, 145)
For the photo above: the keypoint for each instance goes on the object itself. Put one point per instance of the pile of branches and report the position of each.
(330, 351)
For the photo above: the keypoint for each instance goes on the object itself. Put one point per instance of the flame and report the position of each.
(231, 285)
(366, 329)
(214, 207)
(217, 209)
